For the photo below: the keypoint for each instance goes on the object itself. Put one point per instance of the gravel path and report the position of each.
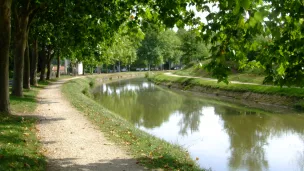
(71, 142)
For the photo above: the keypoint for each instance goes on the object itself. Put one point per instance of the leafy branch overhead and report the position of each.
(235, 29)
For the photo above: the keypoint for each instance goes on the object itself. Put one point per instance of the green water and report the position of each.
(221, 136)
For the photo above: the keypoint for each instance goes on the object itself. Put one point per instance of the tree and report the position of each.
(150, 51)
(5, 34)
(85, 23)
(193, 48)
(170, 44)
(24, 13)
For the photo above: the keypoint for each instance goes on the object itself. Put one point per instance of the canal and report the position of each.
(222, 136)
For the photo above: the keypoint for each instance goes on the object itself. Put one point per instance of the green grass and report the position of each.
(27, 103)
(19, 146)
(264, 89)
(150, 151)
(248, 76)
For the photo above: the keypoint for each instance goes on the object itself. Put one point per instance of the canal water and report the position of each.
(223, 136)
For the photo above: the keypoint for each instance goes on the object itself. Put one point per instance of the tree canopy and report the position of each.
(265, 34)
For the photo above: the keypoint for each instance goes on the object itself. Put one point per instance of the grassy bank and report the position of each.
(148, 150)
(19, 146)
(247, 76)
(187, 83)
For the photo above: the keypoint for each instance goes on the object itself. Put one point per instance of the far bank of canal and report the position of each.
(222, 136)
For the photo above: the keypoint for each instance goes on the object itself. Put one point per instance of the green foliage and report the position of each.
(170, 45)
(150, 51)
(159, 47)
(193, 49)
(234, 31)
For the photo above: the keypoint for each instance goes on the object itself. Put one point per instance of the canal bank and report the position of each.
(150, 151)
(252, 95)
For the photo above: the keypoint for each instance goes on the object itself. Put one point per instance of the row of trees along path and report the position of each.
(244, 33)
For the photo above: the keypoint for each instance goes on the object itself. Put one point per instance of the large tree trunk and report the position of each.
(26, 74)
(5, 37)
(20, 45)
(58, 65)
(34, 63)
(43, 64)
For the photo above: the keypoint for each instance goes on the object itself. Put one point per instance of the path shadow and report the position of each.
(42, 119)
(69, 164)
(49, 120)
(46, 102)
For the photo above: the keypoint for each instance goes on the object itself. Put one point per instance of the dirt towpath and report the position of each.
(71, 142)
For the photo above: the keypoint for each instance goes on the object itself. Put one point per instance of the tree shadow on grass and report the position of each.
(18, 148)
(12, 162)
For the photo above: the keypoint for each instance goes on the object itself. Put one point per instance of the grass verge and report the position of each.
(292, 91)
(198, 71)
(19, 146)
(150, 151)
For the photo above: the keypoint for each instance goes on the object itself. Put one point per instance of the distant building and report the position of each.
(76, 70)
(62, 70)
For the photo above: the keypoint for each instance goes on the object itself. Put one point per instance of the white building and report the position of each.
(77, 70)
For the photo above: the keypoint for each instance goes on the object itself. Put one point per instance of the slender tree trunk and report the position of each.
(49, 69)
(20, 45)
(58, 65)
(34, 63)
(83, 69)
(48, 73)
(118, 66)
(43, 65)
(26, 73)
(5, 37)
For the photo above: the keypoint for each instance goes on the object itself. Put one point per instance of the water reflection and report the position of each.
(223, 137)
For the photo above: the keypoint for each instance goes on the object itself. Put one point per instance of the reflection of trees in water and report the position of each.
(249, 132)
(141, 106)
(190, 110)
(150, 106)
(248, 135)
(300, 160)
